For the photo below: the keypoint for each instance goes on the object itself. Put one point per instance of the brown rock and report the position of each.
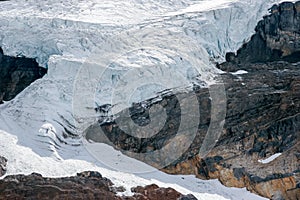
(153, 192)
(85, 185)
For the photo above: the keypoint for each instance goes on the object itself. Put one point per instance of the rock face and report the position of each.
(263, 113)
(277, 37)
(16, 74)
(85, 185)
(3, 162)
(262, 117)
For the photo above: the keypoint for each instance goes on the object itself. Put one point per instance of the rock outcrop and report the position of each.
(262, 117)
(16, 74)
(3, 162)
(153, 192)
(85, 185)
(277, 37)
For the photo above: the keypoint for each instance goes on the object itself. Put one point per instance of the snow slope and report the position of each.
(24, 160)
(63, 36)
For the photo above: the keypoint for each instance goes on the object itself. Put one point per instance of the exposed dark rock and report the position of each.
(277, 37)
(230, 57)
(3, 162)
(16, 74)
(85, 185)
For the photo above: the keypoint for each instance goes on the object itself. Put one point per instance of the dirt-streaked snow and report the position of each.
(270, 159)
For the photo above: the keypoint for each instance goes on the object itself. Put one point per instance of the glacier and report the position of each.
(74, 28)
(63, 36)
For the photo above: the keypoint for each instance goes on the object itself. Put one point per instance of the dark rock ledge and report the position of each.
(16, 74)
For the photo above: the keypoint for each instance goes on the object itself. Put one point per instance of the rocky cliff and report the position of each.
(259, 145)
(16, 74)
(85, 185)
(277, 37)
(263, 113)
